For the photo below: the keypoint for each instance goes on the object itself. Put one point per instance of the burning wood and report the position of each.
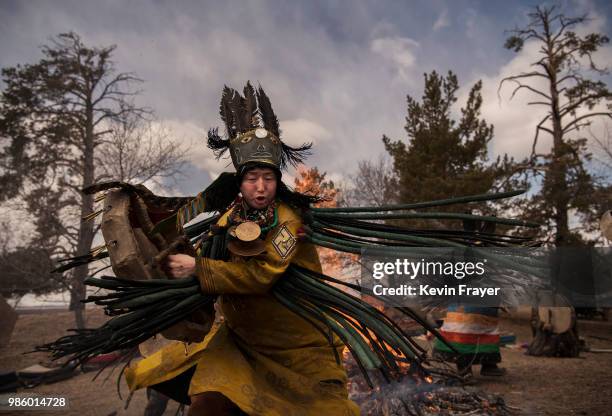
(420, 395)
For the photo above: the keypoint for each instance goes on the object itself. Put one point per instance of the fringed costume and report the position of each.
(278, 350)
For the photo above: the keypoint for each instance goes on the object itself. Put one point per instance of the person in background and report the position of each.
(473, 331)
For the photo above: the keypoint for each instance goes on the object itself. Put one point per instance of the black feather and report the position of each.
(294, 155)
(241, 114)
(296, 199)
(225, 109)
(251, 110)
(238, 108)
(216, 143)
(267, 113)
(290, 155)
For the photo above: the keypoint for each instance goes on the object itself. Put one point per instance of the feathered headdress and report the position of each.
(253, 133)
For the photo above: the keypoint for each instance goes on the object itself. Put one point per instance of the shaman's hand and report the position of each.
(181, 265)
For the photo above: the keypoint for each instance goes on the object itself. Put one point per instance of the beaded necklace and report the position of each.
(266, 218)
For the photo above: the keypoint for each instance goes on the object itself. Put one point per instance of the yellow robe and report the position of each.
(263, 357)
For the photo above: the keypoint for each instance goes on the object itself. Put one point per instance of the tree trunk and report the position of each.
(558, 168)
(77, 289)
(86, 232)
(550, 337)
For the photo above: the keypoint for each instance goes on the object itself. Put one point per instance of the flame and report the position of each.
(345, 354)
(404, 367)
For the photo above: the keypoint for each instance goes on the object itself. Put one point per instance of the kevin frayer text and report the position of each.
(427, 290)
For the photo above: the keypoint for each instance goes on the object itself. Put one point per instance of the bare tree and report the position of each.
(58, 120)
(558, 81)
(371, 184)
(140, 151)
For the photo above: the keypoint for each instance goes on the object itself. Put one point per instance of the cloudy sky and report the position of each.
(337, 72)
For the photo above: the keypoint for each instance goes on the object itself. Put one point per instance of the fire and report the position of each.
(404, 367)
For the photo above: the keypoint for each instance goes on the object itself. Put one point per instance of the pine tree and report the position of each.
(444, 157)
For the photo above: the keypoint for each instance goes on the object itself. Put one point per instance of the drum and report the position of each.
(137, 250)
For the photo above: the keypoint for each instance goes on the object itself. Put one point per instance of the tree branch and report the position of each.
(578, 119)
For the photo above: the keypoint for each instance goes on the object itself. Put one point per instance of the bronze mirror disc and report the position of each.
(247, 231)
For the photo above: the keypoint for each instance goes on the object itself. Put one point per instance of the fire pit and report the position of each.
(420, 395)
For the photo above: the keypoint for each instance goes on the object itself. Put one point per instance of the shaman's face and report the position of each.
(259, 187)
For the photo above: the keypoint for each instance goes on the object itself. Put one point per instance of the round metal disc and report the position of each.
(247, 231)
(261, 133)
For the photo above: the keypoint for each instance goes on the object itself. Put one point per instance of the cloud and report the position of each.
(442, 21)
(398, 49)
(335, 76)
(514, 119)
(298, 131)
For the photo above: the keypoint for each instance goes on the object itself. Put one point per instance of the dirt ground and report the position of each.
(555, 386)
(533, 385)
